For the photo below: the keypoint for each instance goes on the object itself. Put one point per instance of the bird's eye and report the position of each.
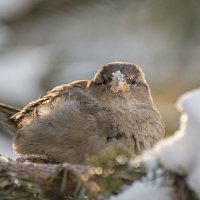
(134, 82)
(104, 81)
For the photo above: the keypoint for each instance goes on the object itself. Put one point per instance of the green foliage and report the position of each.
(110, 171)
(14, 188)
(104, 176)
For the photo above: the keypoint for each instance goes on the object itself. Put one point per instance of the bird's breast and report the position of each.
(126, 117)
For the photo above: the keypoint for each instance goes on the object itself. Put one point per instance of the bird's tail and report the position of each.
(6, 112)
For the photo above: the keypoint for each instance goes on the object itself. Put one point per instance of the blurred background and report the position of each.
(44, 43)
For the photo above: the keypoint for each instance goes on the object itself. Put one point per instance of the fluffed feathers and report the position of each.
(89, 116)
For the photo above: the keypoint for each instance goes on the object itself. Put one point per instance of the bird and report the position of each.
(86, 117)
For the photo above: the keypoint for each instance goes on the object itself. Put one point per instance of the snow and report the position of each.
(190, 104)
(118, 76)
(194, 178)
(118, 82)
(178, 153)
(141, 191)
(149, 159)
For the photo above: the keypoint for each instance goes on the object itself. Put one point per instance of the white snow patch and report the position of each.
(118, 76)
(141, 191)
(194, 178)
(180, 152)
(190, 104)
(149, 159)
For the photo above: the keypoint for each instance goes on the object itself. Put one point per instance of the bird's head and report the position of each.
(120, 79)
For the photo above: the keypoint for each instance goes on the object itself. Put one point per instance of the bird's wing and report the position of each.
(63, 90)
(76, 92)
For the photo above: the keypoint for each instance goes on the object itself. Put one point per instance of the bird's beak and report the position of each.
(119, 86)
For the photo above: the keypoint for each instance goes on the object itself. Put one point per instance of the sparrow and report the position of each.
(86, 117)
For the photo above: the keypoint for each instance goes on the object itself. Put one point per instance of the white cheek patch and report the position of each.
(118, 76)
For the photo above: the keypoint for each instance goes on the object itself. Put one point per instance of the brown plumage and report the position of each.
(86, 117)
